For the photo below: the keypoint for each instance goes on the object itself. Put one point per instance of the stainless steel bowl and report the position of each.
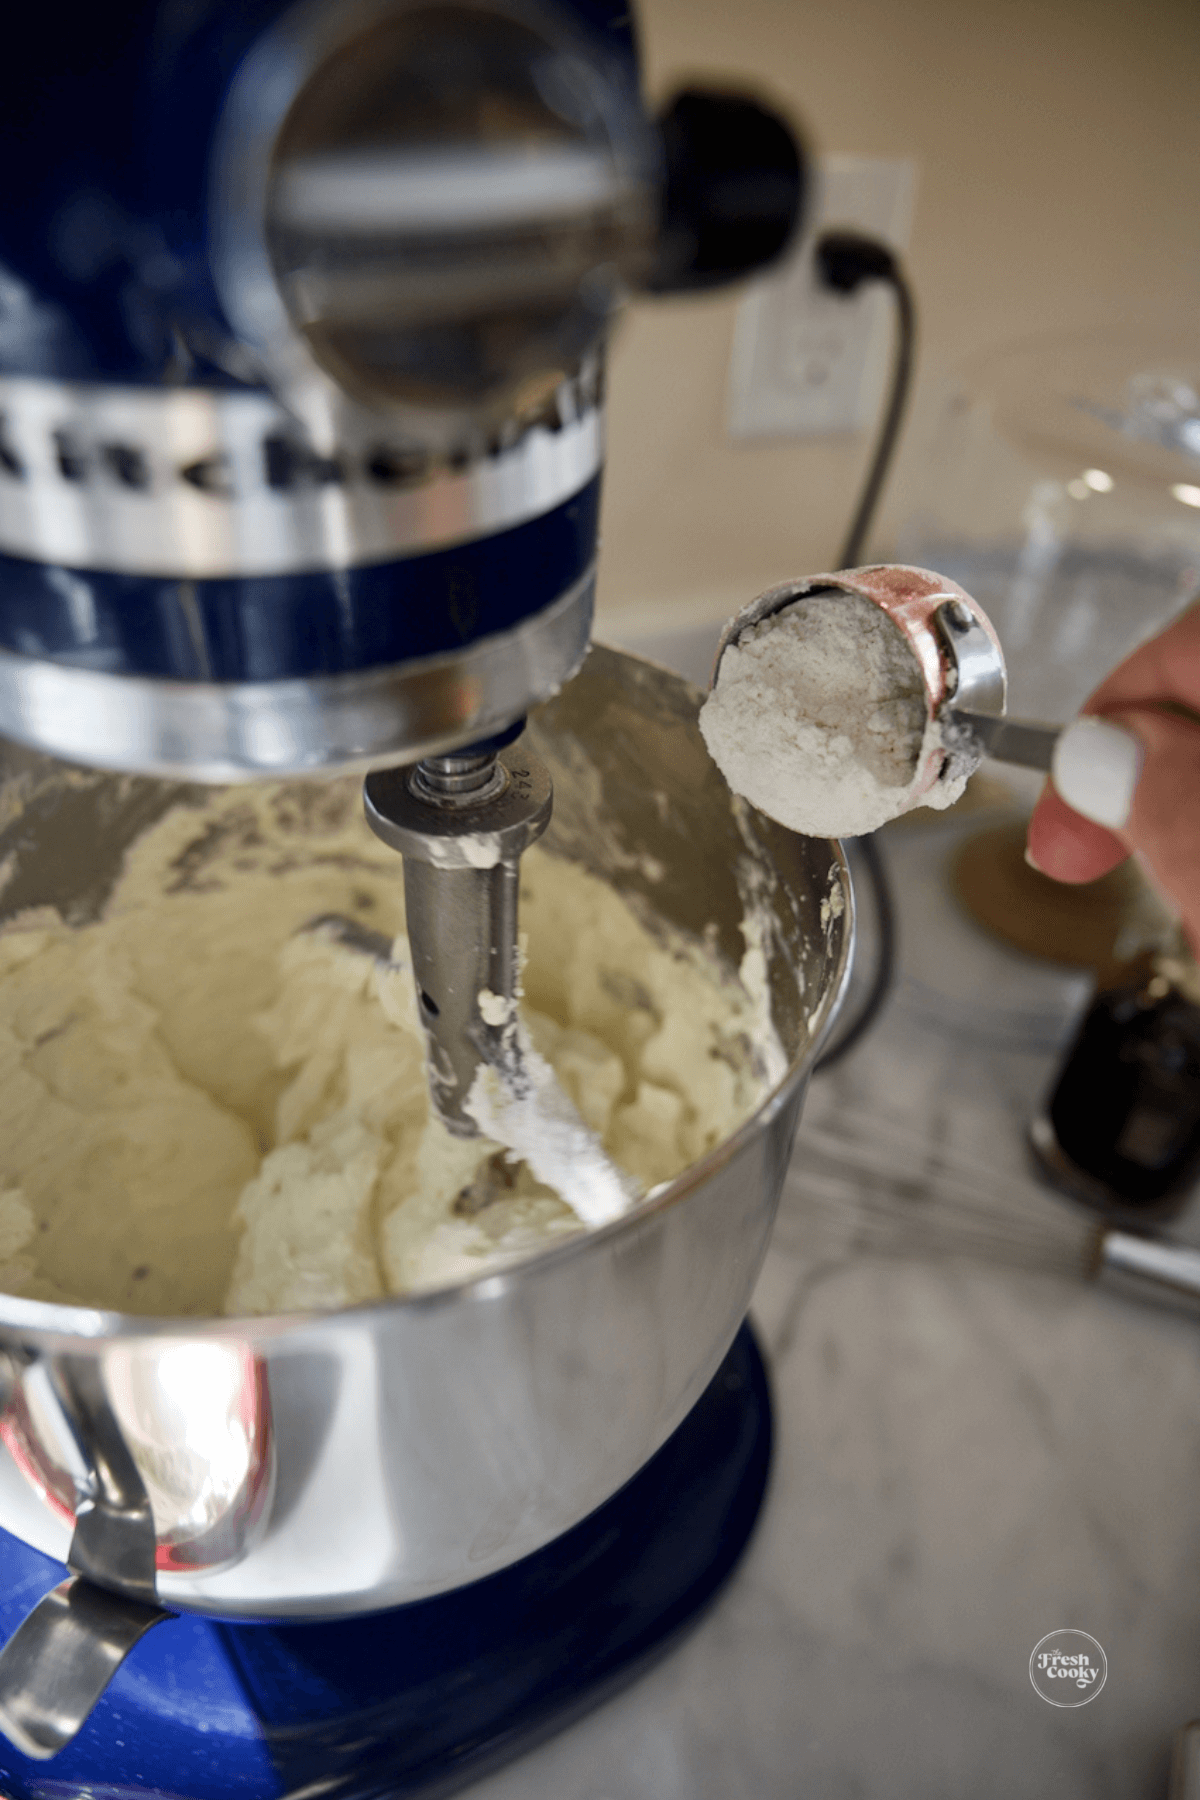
(334, 1464)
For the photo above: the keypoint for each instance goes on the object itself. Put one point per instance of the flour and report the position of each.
(523, 1107)
(819, 717)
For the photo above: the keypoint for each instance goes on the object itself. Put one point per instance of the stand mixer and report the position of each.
(301, 378)
(302, 391)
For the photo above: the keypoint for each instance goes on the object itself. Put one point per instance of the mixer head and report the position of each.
(301, 363)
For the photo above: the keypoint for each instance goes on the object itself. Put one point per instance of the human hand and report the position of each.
(1127, 776)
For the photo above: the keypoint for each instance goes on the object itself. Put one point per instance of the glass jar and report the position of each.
(1062, 490)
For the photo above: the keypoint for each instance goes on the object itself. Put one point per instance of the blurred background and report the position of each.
(1056, 153)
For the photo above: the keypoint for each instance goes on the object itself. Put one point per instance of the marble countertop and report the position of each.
(969, 1455)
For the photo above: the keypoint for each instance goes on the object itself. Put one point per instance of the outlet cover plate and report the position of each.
(808, 362)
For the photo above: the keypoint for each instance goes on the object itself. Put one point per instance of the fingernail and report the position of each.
(1032, 861)
(1096, 768)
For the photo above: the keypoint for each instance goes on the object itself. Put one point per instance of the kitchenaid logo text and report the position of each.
(1068, 1668)
(280, 463)
(89, 438)
(206, 483)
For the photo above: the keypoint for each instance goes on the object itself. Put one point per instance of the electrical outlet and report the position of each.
(808, 361)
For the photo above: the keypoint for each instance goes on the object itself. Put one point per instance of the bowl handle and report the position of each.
(61, 1658)
(64, 1653)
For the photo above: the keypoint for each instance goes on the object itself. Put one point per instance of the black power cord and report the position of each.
(845, 260)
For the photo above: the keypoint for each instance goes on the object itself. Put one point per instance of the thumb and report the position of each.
(1072, 834)
(1127, 781)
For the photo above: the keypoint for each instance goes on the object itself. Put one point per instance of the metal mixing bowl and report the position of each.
(321, 1465)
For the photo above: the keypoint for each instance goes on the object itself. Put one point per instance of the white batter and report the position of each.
(204, 1108)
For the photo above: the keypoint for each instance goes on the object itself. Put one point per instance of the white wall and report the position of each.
(1059, 185)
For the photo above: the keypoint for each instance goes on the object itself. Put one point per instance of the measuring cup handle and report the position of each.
(1025, 742)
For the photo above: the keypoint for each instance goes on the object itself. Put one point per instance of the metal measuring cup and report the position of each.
(960, 658)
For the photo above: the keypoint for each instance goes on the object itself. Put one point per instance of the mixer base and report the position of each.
(426, 1698)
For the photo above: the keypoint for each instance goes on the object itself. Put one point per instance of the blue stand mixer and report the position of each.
(302, 363)
(302, 321)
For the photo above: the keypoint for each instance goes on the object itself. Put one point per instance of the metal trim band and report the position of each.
(280, 627)
(247, 730)
(200, 483)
